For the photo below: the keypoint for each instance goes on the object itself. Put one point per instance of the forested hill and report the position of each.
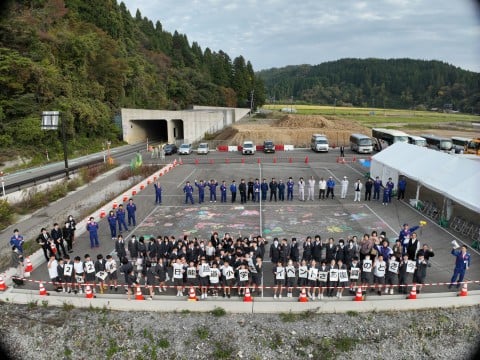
(394, 83)
(89, 58)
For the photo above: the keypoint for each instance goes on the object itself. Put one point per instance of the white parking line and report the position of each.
(181, 183)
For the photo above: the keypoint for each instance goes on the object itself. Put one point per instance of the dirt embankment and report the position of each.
(292, 130)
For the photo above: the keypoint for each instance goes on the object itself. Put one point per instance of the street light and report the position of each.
(50, 120)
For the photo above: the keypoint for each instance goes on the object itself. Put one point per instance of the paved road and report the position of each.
(336, 218)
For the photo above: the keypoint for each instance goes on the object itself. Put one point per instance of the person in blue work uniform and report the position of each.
(223, 192)
(386, 195)
(188, 190)
(92, 228)
(462, 263)
(201, 191)
(112, 223)
(390, 185)
(377, 185)
(158, 192)
(264, 189)
(330, 187)
(402, 186)
(121, 218)
(212, 186)
(404, 236)
(131, 209)
(17, 241)
(290, 185)
(233, 190)
(256, 191)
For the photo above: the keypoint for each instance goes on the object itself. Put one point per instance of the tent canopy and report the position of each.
(453, 176)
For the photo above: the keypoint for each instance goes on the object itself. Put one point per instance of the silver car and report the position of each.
(203, 148)
(185, 149)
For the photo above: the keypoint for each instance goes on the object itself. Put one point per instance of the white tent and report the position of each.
(453, 176)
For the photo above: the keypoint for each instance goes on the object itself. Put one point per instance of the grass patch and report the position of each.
(292, 317)
(66, 306)
(223, 351)
(352, 313)
(276, 341)
(112, 349)
(218, 311)
(202, 332)
(32, 304)
(163, 343)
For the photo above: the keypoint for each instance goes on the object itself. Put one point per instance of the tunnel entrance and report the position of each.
(154, 130)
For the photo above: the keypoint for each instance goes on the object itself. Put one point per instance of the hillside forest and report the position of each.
(88, 59)
(390, 83)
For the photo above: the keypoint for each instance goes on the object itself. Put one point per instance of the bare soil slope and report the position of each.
(293, 129)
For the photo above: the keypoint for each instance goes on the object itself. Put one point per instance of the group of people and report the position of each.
(255, 190)
(216, 266)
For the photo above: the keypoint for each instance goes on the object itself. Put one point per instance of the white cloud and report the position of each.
(275, 33)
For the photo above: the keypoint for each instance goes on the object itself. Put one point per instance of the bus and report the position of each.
(438, 143)
(460, 144)
(417, 140)
(361, 143)
(386, 137)
(473, 147)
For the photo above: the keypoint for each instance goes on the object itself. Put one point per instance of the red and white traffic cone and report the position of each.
(89, 292)
(464, 291)
(42, 290)
(247, 297)
(3, 285)
(28, 267)
(358, 295)
(139, 295)
(192, 296)
(303, 296)
(413, 293)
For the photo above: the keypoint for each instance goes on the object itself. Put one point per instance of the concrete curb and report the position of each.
(237, 306)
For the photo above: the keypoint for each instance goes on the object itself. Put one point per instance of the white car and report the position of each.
(248, 148)
(185, 149)
(203, 148)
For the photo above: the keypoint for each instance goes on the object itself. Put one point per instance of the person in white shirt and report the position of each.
(311, 188)
(301, 189)
(344, 184)
(322, 187)
(358, 190)
(53, 270)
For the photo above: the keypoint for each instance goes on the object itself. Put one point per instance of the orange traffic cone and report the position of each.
(102, 213)
(42, 290)
(142, 186)
(89, 292)
(464, 291)
(3, 286)
(191, 294)
(247, 297)
(134, 192)
(358, 295)
(115, 205)
(28, 267)
(125, 197)
(139, 295)
(413, 293)
(303, 296)
(306, 159)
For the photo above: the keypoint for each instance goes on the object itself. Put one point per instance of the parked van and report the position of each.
(319, 142)
(203, 148)
(248, 148)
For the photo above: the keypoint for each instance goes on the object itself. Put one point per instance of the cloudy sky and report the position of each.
(276, 33)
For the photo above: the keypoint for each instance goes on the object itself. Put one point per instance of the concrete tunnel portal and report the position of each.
(154, 129)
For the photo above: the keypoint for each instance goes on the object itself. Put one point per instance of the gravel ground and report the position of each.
(38, 331)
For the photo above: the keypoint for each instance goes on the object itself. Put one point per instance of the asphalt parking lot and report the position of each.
(337, 218)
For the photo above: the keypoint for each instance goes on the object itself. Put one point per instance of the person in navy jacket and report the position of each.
(92, 228)
(404, 236)
(330, 187)
(233, 190)
(121, 218)
(131, 209)
(112, 222)
(223, 192)
(188, 190)
(402, 186)
(377, 184)
(213, 190)
(201, 190)
(462, 263)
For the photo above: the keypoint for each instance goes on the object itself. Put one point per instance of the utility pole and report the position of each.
(251, 102)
